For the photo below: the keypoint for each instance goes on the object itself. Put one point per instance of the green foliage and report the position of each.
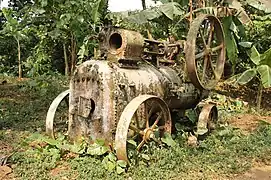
(48, 25)
(167, 139)
(170, 10)
(226, 151)
(233, 35)
(263, 68)
(163, 19)
(260, 5)
(111, 164)
(35, 95)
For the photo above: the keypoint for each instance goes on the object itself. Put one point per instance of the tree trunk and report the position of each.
(66, 60)
(19, 58)
(143, 4)
(73, 53)
(259, 96)
(147, 24)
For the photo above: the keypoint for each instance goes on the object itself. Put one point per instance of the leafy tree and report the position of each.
(13, 28)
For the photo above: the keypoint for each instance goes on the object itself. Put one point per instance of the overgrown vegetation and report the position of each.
(225, 152)
(43, 39)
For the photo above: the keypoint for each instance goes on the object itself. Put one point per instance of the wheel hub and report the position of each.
(148, 134)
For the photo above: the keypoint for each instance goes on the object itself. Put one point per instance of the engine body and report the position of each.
(128, 66)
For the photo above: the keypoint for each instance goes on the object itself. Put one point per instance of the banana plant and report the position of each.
(261, 70)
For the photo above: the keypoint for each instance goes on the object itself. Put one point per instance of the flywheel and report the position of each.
(205, 52)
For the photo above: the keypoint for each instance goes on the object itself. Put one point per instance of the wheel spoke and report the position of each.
(204, 42)
(204, 67)
(148, 114)
(140, 145)
(212, 67)
(210, 34)
(132, 127)
(134, 137)
(200, 55)
(156, 121)
(217, 48)
(136, 121)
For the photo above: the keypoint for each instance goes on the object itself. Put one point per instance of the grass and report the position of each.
(226, 152)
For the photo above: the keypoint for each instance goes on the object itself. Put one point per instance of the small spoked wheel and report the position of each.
(207, 119)
(57, 121)
(205, 51)
(146, 118)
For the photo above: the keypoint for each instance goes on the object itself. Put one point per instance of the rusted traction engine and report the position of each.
(133, 88)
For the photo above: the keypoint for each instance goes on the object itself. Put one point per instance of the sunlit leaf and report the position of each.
(231, 46)
(112, 157)
(171, 9)
(255, 55)
(120, 170)
(111, 166)
(145, 156)
(96, 149)
(95, 11)
(132, 142)
(122, 163)
(246, 76)
(245, 44)
(167, 139)
(266, 58)
(265, 72)
(44, 3)
(260, 5)
(192, 115)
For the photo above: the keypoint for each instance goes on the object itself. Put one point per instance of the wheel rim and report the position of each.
(50, 118)
(155, 117)
(207, 119)
(205, 52)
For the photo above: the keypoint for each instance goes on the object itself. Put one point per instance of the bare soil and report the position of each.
(246, 93)
(256, 173)
(248, 122)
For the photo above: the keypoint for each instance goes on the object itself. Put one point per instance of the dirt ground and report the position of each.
(256, 173)
(247, 94)
(247, 123)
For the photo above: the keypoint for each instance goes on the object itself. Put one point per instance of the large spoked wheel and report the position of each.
(205, 51)
(52, 125)
(146, 118)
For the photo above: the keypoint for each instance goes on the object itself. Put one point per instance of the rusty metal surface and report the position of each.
(146, 131)
(191, 56)
(207, 119)
(110, 88)
(107, 93)
(123, 46)
(51, 112)
(101, 90)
